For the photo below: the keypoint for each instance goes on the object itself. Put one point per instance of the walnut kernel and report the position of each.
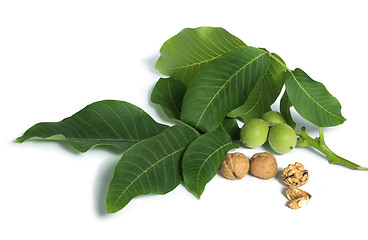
(298, 198)
(234, 166)
(295, 175)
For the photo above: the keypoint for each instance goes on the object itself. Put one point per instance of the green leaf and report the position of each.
(151, 166)
(202, 159)
(115, 123)
(285, 106)
(223, 85)
(265, 92)
(230, 127)
(169, 93)
(312, 100)
(185, 54)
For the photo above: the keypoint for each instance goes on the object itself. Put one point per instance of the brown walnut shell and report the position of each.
(298, 198)
(263, 165)
(234, 166)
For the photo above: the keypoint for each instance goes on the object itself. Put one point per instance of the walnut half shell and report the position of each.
(298, 198)
(295, 175)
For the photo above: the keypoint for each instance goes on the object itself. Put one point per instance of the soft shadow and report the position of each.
(283, 191)
(109, 149)
(278, 176)
(162, 115)
(311, 129)
(105, 171)
(314, 151)
(62, 144)
(68, 148)
(104, 176)
(267, 148)
(299, 120)
(151, 61)
(159, 110)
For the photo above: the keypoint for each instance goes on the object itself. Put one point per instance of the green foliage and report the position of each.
(213, 79)
(312, 100)
(202, 159)
(114, 123)
(285, 106)
(169, 93)
(224, 84)
(265, 92)
(151, 166)
(230, 126)
(185, 54)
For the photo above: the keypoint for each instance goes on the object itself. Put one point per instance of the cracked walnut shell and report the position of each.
(298, 198)
(234, 166)
(295, 175)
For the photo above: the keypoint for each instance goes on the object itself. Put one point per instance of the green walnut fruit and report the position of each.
(273, 117)
(282, 138)
(254, 133)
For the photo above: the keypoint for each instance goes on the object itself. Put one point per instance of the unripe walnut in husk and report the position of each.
(263, 165)
(234, 166)
(273, 117)
(282, 138)
(254, 133)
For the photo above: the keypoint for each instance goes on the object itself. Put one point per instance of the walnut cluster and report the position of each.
(295, 175)
(263, 165)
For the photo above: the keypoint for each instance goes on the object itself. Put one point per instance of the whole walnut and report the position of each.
(235, 166)
(263, 165)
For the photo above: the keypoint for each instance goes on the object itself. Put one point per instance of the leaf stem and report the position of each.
(320, 145)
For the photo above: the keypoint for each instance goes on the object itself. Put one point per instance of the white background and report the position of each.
(56, 57)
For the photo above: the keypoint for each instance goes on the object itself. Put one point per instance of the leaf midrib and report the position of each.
(204, 162)
(172, 99)
(82, 139)
(105, 139)
(143, 172)
(256, 103)
(308, 95)
(220, 89)
(203, 61)
(300, 86)
(194, 64)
